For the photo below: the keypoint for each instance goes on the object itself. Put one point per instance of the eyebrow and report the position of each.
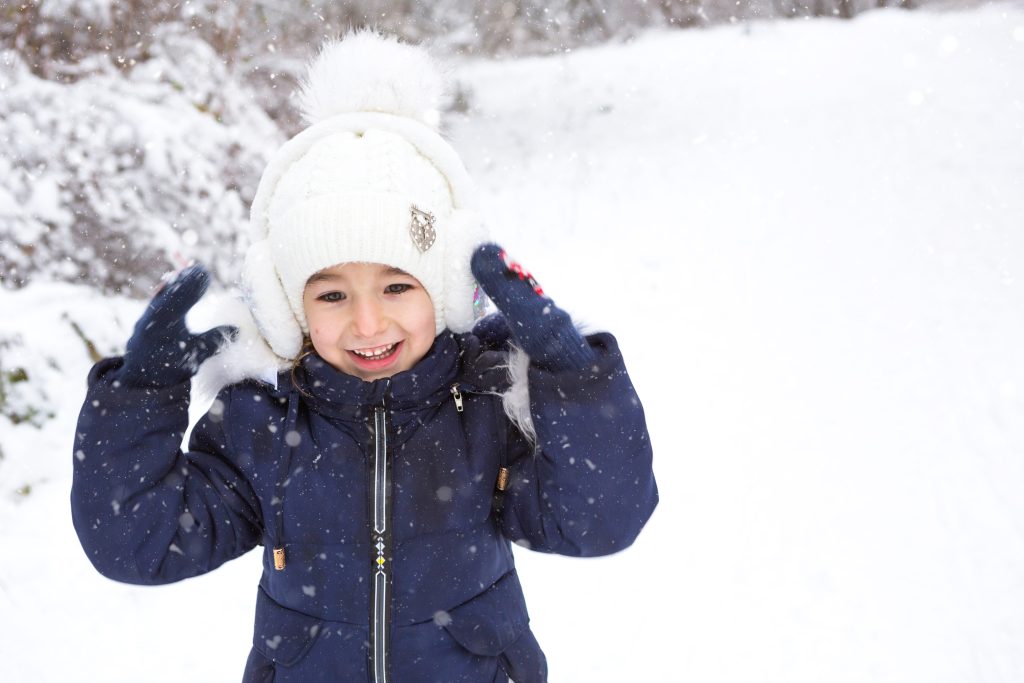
(320, 277)
(324, 276)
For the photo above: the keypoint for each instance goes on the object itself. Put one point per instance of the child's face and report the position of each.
(368, 320)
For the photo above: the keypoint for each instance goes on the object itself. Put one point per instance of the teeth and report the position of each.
(376, 352)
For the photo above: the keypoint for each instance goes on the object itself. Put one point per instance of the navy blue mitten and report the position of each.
(162, 352)
(493, 331)
(540, 328)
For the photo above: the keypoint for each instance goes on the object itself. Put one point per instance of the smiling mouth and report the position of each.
(376, 353)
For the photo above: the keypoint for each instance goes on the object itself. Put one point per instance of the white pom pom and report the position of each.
(365, 71)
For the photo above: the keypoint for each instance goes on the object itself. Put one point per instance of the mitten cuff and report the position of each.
(114, 372)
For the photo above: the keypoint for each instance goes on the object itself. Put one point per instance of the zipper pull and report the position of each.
(278, 559)
(458, 397)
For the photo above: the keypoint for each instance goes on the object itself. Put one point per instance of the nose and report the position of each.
(369, 320)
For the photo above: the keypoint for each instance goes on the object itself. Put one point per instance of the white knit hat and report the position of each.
(370, 180)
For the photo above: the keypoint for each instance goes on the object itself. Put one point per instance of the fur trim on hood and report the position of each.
(248, 356)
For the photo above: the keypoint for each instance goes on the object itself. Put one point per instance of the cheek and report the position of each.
(320, 323)
(316, 338)
(425, 324)
(320, 331)
(314, 326)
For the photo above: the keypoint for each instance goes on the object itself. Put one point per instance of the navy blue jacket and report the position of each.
(383, 496)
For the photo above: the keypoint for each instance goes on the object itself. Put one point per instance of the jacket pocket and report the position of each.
(523, 661)
(496, 624)
(283, 636)
(493, 620)
(294, 647)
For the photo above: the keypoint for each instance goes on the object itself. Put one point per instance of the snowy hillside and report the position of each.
(809, 238)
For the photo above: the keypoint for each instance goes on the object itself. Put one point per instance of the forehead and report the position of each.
(355, 271)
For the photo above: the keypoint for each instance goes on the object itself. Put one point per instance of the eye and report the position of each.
(331, 297)
(397, 288)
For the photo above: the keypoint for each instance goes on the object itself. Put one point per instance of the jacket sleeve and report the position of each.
(145, 512)
(587, 488)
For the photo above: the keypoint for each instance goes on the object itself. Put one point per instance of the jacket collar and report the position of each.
(334, 393)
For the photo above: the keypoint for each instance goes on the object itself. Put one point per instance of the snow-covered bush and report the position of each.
(21, 401)
(115, 177)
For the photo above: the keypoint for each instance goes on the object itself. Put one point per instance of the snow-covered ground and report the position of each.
(809, 238)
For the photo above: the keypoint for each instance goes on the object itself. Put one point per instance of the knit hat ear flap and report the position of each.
(269, 305)
(463, 304)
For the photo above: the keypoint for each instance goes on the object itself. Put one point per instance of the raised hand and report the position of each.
(543, 330)
(162, 352)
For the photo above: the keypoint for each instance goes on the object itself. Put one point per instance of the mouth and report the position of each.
(375, 357)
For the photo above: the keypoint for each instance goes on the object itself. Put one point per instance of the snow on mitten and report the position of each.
(162, 352)
(544, 331)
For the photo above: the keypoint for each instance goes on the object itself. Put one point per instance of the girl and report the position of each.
(390, 463)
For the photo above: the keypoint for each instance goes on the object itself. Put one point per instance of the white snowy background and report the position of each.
(809, 238)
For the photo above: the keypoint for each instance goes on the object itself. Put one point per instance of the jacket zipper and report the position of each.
(501, 484)
(458, 397)
(382, 536)
(381, 545)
